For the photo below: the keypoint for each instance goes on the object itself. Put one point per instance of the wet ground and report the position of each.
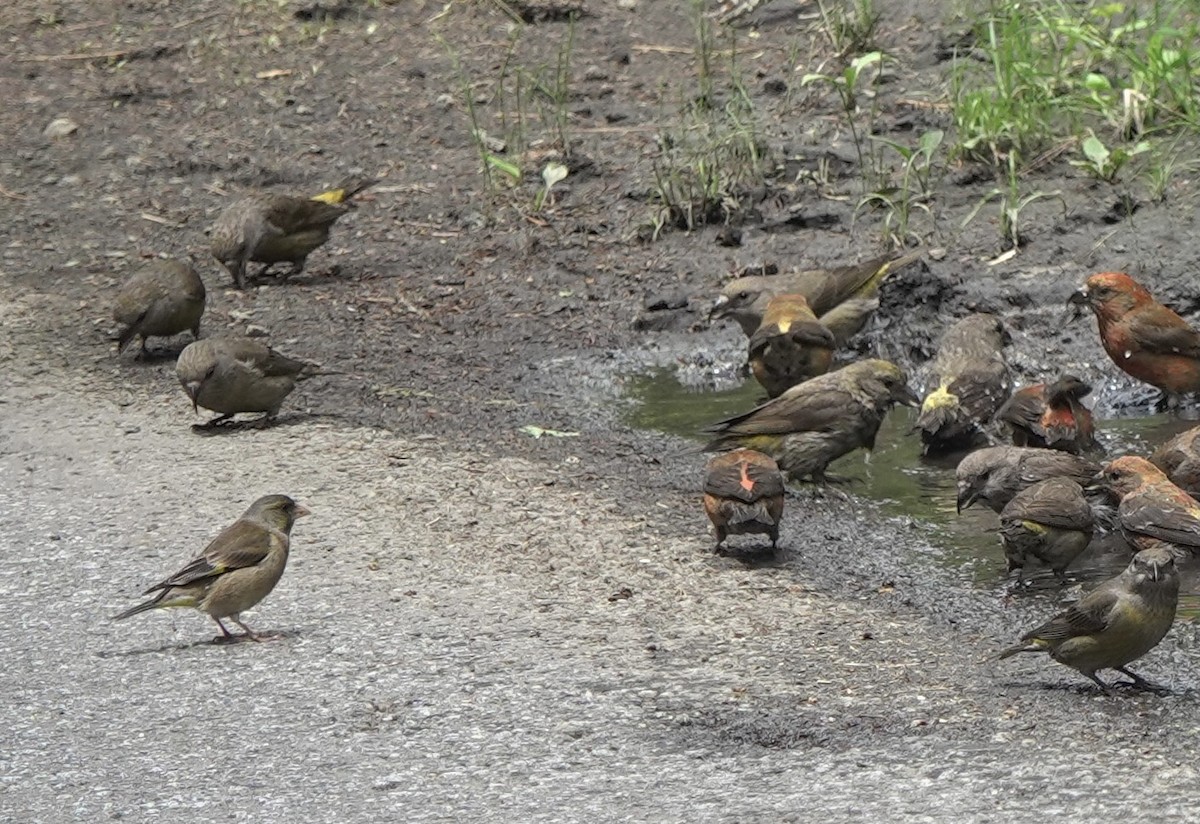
(480, 624)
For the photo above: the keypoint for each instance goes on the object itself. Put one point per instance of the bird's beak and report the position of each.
(1078, 299)
(718, 308)
(966, 497)
(904, 394)
(192, 388)
(300, 511)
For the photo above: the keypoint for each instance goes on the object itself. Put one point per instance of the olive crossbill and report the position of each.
(1051, 415)
(1179, 459)
(1152, 508)
(995, 474)
(790, 346)
(268, 227)
(745, 299)
(743, 495)
(972, 382)
(1143, 337)
(817, 421)
(162, 298)
(238, 374)
(236, 570)
(1051, 521)
(1114, 624)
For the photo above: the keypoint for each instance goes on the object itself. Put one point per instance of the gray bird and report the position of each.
(162, 298)
(1051, 521)
(234, 572)
(268, 227)
(236, 374)
(1114, 624)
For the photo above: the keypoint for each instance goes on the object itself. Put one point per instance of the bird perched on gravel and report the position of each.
(1114, 624)
(268, 227)
(1179, 459)
(1051, 415)
(818, 421)
(1051, 521)
(1151, 508)
(995, 474)
(743, 495)
(972, 383)
(1143, 337)
(238, 374)
(790, 346)
(745, 299)
(162, 298)
(237, 570)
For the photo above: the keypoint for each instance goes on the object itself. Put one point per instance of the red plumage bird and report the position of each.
(1143, 337)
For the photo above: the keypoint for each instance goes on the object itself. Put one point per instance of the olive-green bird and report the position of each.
(268, 227)
(995, 474)
(237, 570)
(972, 382)
(233, 374)
(1051, 521)
(1114, 624)
(791, 346)
(162, 298)
(745, 299)
(818, 421)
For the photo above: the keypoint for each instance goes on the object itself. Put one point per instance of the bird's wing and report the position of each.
(1162, 517)
(981, 388)
(811, 409)
(1166, 339)
(242, 544)
(1087, 617)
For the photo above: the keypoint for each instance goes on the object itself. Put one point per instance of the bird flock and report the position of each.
(1050, 492)
(1050, 495)
(229, 375)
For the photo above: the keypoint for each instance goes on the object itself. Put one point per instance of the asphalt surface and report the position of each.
(472, 637)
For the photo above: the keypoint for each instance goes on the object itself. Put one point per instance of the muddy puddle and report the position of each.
(905, 484)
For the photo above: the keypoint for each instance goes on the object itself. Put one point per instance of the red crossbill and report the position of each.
(994, 475)
(1051, 521)
(818, 421)
(1051, 415)
(745, 299)
(743, 495)
(268, 227)
(1152, 508)
(1143, 337)
(1179, 459)
(790, 346)
(1114, 624)
(972, 382)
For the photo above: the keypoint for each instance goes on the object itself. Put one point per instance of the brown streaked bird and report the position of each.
(818, 421)
(790, 346)
(1051, 416)
(268, 227)
(237, 570)
(1144, 338)
(232, 374)
(745, 299)
(1179, 459)
(162, 298)
(995, 474)
(1152, 508)
(743, 495)
(1114, 624)
(1051, 521)
(972, 383)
